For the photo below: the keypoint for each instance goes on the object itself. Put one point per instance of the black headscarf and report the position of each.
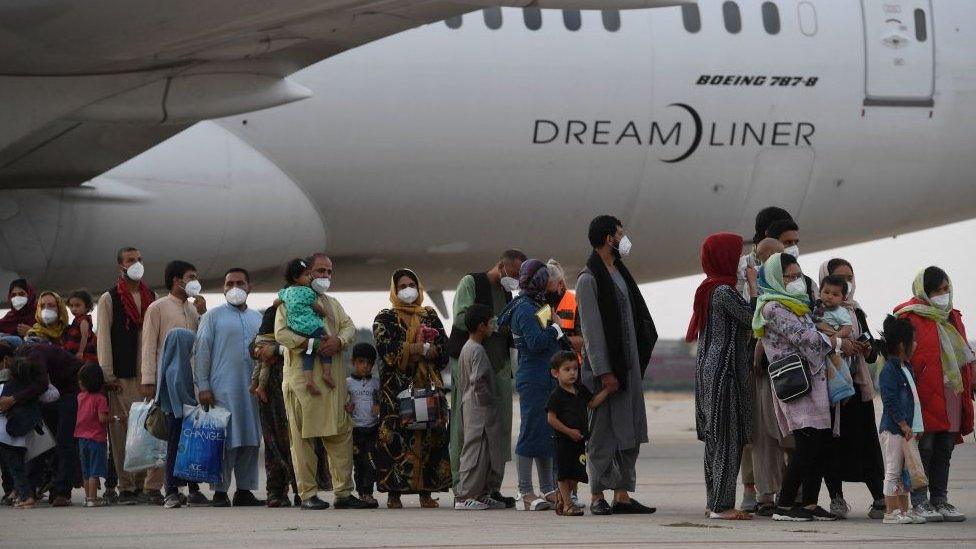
(644, 327)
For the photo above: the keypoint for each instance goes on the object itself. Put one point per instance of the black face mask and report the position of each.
(553, 299)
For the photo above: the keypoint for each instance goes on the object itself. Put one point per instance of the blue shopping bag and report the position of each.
(200, 455)
(841, 386)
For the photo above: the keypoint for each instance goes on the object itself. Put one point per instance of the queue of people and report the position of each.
(784, 392)
(785, 396)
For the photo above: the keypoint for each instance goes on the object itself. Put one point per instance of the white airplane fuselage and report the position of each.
(438, 148)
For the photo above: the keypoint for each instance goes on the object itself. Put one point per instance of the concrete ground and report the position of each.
(670, 478)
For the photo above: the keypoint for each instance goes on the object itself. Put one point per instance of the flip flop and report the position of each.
(738, 515)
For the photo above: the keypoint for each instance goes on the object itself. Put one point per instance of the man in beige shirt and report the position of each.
(120, 314)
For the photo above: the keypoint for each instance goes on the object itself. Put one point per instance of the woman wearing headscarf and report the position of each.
(943, 366)
(174, 389)
(51, 318)
(19, 319)
(410, 341)
(856, 452)
(537, 339)
(722, 321)
(782, 320)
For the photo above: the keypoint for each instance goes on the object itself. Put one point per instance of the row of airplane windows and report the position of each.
(690, 16)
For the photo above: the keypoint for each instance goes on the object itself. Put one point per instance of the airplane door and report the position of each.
(899, 53)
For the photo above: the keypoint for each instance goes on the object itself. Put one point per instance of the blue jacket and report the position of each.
(535, 344)
(896, 396)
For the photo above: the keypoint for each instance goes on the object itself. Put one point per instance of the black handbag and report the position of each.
(789, 377)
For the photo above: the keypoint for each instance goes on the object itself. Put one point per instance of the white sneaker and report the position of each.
(916, 518)
(470, 505)
(896, 517)
(530, 502)
(949, 512)
(927, 512)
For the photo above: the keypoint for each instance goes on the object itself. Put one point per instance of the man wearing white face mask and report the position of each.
(222, 373)
(493, 289)
(120, 314)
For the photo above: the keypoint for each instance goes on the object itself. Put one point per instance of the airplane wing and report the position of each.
(85, 86)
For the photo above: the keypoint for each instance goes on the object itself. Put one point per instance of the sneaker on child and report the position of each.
(470, 505)
(896, 517)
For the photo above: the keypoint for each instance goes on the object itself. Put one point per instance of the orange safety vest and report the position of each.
(566, 312)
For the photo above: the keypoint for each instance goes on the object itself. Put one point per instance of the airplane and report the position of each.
(483, 129)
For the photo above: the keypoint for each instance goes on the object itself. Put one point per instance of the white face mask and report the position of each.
(793, 250)
(943, 301)
(408, 295)
(509, 284)
(236, 296)
(850, 290)
(135, 271)
(321, 285)
(49, 316)
(624, 246)
(798, 286)
(193, 288)
(18, 302)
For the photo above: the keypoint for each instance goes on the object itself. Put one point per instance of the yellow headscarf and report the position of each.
(409, 315)
(50, 332)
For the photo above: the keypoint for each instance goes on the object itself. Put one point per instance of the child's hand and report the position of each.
(575, 434)
(350, 407)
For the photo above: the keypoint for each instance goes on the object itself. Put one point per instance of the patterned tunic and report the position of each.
(723, 394)
(409, 461)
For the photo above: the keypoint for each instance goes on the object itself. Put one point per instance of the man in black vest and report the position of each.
(120, 312)
(492, 289)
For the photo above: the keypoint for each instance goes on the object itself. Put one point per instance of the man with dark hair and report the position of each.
(618, 336)
(492, 289)
(120, 312)
(222, 372)
(788, 233)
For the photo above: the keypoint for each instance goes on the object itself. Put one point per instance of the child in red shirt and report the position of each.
(79, 338)
(91, 432)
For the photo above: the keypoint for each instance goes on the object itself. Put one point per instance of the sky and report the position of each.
(884, 271)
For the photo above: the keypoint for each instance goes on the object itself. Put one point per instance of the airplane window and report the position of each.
(733, 19)
(493, 18)
(533, 18)
(691, 17)
(770, 16)
(808, 18)
(572, 19)
(921, 32)
(453, 22)
(611, 20)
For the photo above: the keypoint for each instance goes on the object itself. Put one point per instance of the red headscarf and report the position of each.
(720, 261)
(8, 324)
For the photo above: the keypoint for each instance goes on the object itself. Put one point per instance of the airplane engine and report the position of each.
(221, 205)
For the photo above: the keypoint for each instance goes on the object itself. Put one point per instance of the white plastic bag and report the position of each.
(38, 443)
(142, 450)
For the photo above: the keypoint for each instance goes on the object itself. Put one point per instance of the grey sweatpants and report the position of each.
(612, 469)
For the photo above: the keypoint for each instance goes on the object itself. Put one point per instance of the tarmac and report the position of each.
(669, 476)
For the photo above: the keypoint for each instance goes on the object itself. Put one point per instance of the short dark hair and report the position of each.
(364, 351)
(932, 278)
(242, 270)
(601, 227)
(513, 255)
(294, 269)
(835, 280)
(897, 331)
(780, 226)
(122, 250)
(84, 296)
(765, 217)
(176, 269)
(562, 357)
(475, 316)
(785, 260)
(25, 370)
(90, 378)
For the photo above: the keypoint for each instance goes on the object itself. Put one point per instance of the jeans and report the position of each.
(60, 417)
(12, 458)
(806, 467)
(173, 483)
(936, 451)
(543, 467)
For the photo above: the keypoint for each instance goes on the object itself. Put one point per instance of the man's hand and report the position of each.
(6, 403)
(330, 346)
(200, 303)
(906, 431)
(22, 329)
(148, 390)
(113, 385)
(610, 382)
(265, 351)
(206, 398)
(752, 279)
(575, 434)
(576, 342)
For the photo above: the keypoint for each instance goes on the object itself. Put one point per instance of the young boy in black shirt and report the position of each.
(568, 410)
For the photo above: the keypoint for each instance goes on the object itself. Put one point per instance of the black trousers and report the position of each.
(363, 449)
(806, 467)
(60, 418)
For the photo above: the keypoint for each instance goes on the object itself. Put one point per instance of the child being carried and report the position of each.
(306, 317)
(833, 319)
